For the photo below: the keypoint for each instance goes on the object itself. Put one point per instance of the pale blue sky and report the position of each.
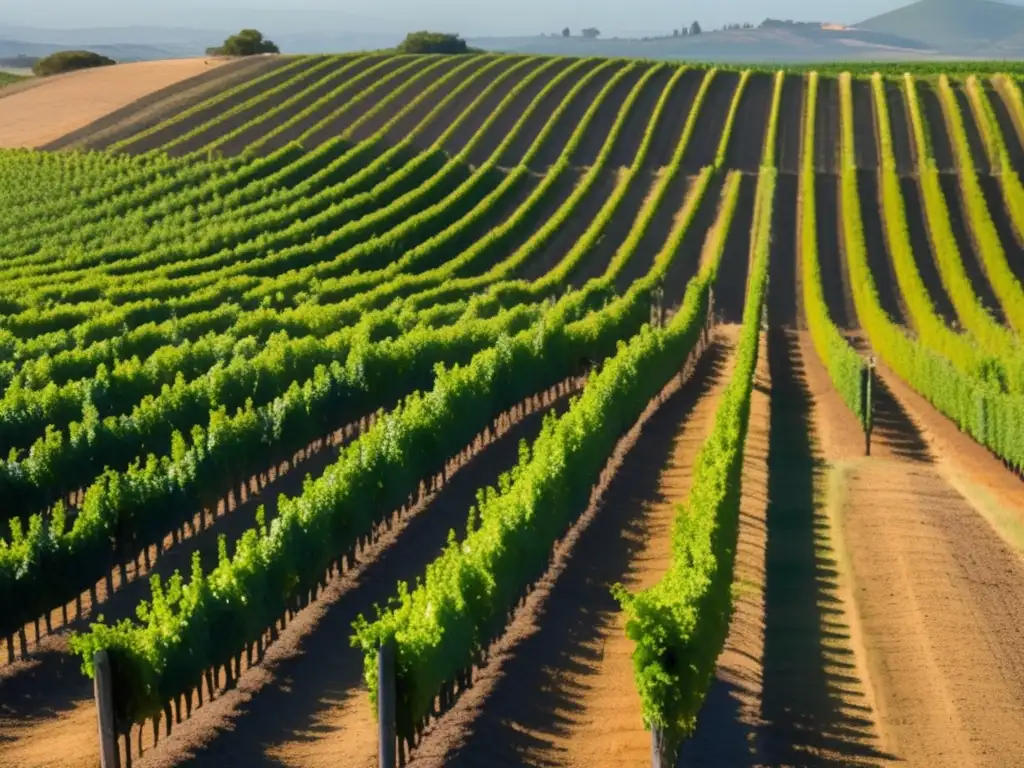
(469, 17)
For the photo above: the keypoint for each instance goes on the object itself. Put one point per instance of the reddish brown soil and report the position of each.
(938, 590)
(924, 256)
(42, 114)
(674, 116)
(731, 715)
(654, 239)
(941, 144)
(826, 126)
(865, 133)
(534, 124)
(974, 137)
(746, 145)
(714, 111)
(309, 96)
(352, 88)
(303, 78)
(174, 129)
(347, 116)
(965, 241)
(164, 104)
(815, 707)
(790, 130)
(785, 295)
(559, 688)
(900, 128)
(731, 289)
(1007, 124)
(600, 127)
(835, 275)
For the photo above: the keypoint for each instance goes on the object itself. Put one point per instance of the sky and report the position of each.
(467, 17)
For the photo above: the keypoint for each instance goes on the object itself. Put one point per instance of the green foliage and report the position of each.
(6, 78)
(69, 61)
(680, 624)
(248, 42)
(433, 42)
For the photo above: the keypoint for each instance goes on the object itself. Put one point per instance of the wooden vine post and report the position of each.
(662, 755)
(103, 691)
(386, 709)
(867, 399)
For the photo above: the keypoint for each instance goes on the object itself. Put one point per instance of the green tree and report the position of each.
(566, 32)
(433, 42)
(591, 33)
(248, 42)
(69, 61)
(695, 28)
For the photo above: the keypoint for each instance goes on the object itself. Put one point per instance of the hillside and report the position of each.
(506, 401)
(952, 25)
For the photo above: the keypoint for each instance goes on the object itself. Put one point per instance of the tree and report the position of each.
(591, 33)
(69, 61)
(685, 31)
(566, 32)
(248, 42)
(433, 42)
(695, 28)
(675, 33)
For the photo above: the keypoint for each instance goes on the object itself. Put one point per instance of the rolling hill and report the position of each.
(952, 25)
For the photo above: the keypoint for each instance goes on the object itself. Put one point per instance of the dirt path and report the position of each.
(865, 134)
(936, 128)
(746, 145)
(731, 716)
(789, 133)
(561, 690)
(44, 113)
(826, 126)
(714, 111)
(899, 127)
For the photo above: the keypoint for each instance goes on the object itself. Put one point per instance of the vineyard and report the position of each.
(612, 402)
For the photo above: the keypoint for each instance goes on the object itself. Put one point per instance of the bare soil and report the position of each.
(40, 115)
(924, 255)
(559, 687)
(298, 81)
(899, 126)
(353, 86)
(345, 116)
(455, 108)
(1011, 240)
(938, 589)
(654, 239)
(865, 132)
(834, 272)
(790, 131)
(826, 126)
(600, 127)
(877, 245)
(677, 110)
(164, 104)
(746, 145)
(974, 138)
(714, 111)
(729, 720)
(816, 706)
(941, 144)
(966, 245)
(731, 289)
(1007, 124)
(307, 96)
(174, 128)
(623, 153)
(539, 117)
(785, 295)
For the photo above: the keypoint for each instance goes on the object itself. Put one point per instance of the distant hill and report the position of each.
(952, 25)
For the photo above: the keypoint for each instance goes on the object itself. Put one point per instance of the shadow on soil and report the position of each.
(812, 711)
(536, 698)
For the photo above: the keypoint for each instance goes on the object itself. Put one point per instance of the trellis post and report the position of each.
(103, 692)
(386, 703)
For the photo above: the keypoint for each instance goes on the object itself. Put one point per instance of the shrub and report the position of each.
(433, 42)
(248, 42)
(69, 61)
